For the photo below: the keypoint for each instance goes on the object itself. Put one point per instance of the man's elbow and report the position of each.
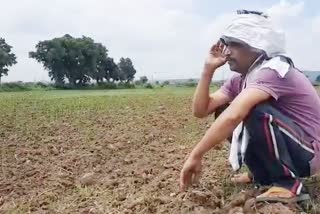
(199, 114)
(234, 118)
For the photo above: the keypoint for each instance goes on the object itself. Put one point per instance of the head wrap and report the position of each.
(256, 29)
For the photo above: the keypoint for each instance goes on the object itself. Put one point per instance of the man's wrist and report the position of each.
(208, 70)
(196, 154)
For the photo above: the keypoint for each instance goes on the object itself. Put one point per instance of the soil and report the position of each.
(122, 161)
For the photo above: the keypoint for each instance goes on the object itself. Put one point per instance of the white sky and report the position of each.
(166, 39)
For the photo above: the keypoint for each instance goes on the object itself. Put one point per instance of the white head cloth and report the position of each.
(257, 31)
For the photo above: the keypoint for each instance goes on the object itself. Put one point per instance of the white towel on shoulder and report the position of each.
(238, 146)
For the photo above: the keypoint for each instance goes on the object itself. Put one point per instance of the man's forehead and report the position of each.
(231, 40)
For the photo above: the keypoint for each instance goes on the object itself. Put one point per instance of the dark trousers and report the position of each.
(276, 153)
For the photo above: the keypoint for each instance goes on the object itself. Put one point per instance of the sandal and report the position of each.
(287, 196)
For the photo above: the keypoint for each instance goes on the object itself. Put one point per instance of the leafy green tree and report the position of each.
(79, 60)
(74, 59)
(51, 54)
(7, 58)
(111, 71)
(143, 79)
(126, 70)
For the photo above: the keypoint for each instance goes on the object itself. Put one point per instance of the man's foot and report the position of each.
(243, 178)
(280, 194)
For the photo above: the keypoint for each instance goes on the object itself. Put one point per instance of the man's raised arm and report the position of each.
(203, 103)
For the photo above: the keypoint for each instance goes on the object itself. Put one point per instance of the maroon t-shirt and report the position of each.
(293, 95)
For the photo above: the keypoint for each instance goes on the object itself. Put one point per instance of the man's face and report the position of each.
(239, 56)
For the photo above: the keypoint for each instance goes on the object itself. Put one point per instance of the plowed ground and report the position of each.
(110, 152)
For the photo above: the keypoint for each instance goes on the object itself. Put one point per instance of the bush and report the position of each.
(107, 85)
(190, 84)
(64, 86)
(69, 86)
(14, 86)
(21, 86)
(144, 79)
(125, 85)
(166, 82)
(41, 85)
(28, 86)
(149, 86)
(137, 82)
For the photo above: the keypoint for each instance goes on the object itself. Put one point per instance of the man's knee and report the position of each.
(258, 114)
(262, 109)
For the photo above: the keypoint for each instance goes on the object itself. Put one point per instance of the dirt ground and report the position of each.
(112, 154)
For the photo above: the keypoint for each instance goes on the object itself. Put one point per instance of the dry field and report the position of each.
(111, 152)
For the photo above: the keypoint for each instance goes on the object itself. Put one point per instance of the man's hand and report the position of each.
(222, 127)
(216, 57)
(190, 172)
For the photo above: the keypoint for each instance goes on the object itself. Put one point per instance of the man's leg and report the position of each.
(276, 153)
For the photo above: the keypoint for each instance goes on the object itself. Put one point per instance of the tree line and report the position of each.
(76, 61)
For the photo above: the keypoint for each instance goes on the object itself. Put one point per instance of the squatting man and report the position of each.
(273, 114)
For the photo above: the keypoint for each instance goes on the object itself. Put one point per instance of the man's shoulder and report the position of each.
(234, 80)
(232, 86)
(235, 77)
(270, 75)
(292, 75)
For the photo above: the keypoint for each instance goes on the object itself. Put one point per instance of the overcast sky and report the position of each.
(165, 39)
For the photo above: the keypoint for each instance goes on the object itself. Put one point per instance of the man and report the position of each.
(271, 101)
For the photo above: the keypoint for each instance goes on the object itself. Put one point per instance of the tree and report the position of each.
(318, 78)
(75, 59)
(51, 54)
(126, 70)
(111, 70)
(143, 79)
(78, 60)
(7, 58)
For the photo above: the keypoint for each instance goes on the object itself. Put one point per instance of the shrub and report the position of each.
(149, 86)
